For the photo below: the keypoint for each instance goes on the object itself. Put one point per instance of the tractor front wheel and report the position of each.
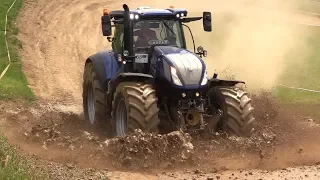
(134, 107)
(237, 115)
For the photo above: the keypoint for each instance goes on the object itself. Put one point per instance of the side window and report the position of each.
(176, 29)
(118, 35)
(188, 38)
(153, 63)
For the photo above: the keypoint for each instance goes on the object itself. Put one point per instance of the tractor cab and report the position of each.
(150, 32)
(137, 32)
(157, 32)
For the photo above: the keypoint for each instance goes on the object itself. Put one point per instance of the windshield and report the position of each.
(150, 32)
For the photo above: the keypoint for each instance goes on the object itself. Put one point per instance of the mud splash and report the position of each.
(282, 138)
(148, 150)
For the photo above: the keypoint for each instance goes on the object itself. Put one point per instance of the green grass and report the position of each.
(14, 84)
(16, 168)
(303, 70)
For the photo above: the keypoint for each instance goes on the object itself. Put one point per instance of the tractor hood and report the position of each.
(190, 68)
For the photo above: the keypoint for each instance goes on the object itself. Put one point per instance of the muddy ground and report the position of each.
(63, 145)
(57, 36)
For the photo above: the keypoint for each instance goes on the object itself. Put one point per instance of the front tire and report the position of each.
(134, 107)
(237, 110)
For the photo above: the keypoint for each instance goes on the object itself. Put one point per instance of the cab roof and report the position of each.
(145, 12)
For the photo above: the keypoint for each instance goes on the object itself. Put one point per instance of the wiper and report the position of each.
(167, 26)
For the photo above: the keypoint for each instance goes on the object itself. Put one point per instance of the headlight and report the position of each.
(205, 78)
(131, 16)
(175, 77)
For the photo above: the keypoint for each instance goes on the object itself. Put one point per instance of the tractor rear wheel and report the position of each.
(134, 107)
(237, 110)
(94, 100)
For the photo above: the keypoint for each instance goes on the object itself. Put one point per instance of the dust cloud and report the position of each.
(256, 46)
(247, 39)
(250, 39)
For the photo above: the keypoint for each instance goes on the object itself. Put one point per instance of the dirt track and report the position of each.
(57, 36)
(61, 144)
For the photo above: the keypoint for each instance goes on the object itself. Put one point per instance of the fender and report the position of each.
(126, 77)
(220, 82)
(105, 65)
(132, 77)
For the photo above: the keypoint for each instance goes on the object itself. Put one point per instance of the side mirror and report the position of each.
(207, 25)
(106, 25)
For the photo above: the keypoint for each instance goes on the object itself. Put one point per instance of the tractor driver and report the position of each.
(145, 34)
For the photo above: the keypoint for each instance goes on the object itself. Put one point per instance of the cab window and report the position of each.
(118, 42)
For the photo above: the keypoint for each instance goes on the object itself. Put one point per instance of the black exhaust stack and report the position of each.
(128, 39)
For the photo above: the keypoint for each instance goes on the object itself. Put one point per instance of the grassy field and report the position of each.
(303, 70)
(15, 167)
(14, 84)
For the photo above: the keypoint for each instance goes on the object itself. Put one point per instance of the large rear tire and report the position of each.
(94, 100)
(238, 113)
(134, 107)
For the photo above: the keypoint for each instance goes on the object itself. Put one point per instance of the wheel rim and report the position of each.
(90, 104)
(121, 118)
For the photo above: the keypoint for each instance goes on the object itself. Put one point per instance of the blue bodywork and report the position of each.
(160, 52)
(158, 69)
(110, 63)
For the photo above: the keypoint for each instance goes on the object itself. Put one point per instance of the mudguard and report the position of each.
(105, 65)
(126, 77)
(133, 77)
(121, 77)
(220, 82)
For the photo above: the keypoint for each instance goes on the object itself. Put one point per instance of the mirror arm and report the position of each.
(191, 19)
(194, 46)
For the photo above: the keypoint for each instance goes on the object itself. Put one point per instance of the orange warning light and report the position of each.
(105, 11)
(171, 7)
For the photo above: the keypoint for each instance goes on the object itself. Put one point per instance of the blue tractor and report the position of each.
(150, 81)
